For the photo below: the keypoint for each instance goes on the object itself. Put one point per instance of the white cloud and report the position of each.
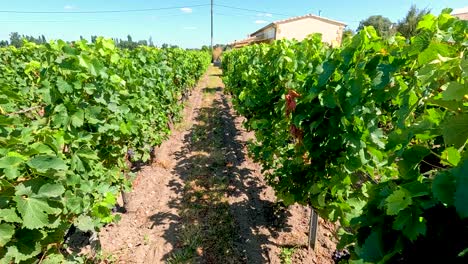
(187, 10)
(190, 28)
(70, 7)
(261, 21)
(265, 15)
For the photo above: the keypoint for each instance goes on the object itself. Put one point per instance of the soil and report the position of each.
(203, 169)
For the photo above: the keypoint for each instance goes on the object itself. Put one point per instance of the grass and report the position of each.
(208, 230)
(286, 254)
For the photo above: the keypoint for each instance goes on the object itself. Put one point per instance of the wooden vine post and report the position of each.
(313, 227)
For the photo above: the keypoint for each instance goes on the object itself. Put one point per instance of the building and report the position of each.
(297, 28)
(461, 13)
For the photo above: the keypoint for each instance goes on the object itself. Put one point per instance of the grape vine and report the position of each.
(372, 134)
(69, 113)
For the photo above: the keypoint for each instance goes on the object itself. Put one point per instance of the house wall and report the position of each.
(300, 29)
(463, 16)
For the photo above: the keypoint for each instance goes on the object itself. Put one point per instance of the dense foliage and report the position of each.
(372, 134)
(69, 114)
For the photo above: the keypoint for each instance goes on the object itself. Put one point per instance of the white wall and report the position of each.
(299, 29)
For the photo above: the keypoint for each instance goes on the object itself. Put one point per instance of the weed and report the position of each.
(286, 254)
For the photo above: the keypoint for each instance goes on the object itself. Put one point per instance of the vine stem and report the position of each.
(24, 110)
(435, 166)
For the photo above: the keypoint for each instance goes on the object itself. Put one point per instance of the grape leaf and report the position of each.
(54, 259)
(34, 210)
(443, 187)
(77, 119)
(411, 223)
(6, 233)
(432, 52)
(397, 201)
(372, 249)
(9, 215)
(50, 190)
(10, 161)
(455, 130)
(46, 162)
(63, 86)
(410, 159)
(451, 155)
(21, 251)
(85, 223)
(455, 91)
(461, 193)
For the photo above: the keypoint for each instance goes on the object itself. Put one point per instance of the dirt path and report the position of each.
(205, 201)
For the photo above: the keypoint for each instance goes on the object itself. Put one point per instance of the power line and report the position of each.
(100, 11)
(253, 10)
(241, 15)
(157, 19)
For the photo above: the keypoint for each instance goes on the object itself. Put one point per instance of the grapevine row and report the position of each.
(69, 116)
(372, 134)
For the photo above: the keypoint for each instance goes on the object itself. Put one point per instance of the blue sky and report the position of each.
(188, 23)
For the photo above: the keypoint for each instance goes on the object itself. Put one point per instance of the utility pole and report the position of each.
(211, 47)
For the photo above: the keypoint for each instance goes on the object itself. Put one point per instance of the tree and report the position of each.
(348, 33)
(15, 39)
(142, 42)
(150, 42)
(408, 26)
(381, 24)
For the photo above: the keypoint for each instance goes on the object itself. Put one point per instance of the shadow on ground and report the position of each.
(211, 166)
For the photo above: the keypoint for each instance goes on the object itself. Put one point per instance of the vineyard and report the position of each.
(72, 119)
(372, 135)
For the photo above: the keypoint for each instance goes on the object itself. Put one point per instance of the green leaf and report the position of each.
(35, 211)
(115, 58)
(426, 22)
(455, 91)
(6, 233)
(77, 119)
(54, 259)
(411, 158)
(432, 52)
(63, 86)
(325, 70)
(411, 223)
(327, 98)
(397, 201)
(47, 162)
(51, 190)
(24, 251)
(461, 193)
(7, 162)
(117, 80)
(451, 155)
(455, 130)
(85, 223)
(372, 249)
(443, 187)
(9, 215)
